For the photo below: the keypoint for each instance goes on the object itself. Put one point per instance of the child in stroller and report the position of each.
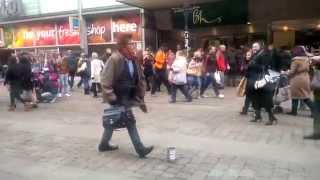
(47, 86)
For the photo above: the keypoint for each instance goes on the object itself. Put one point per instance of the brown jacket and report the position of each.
(299, 78)
(111, 73)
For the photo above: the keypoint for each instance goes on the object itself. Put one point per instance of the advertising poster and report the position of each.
(34, 35)
(99, 30)
(127, 24)
(66, 36)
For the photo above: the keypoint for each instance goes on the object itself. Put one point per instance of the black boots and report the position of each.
(145, 151)
(107, 147)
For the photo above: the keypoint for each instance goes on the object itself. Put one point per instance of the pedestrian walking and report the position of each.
(300, 80)
(123, 86)
(160, 70)
(210, 69)
(179, 77)
(84, 71)
(63, 71)
(26, 79)
(148, 61)
(72, 67)
(194, 74)
(261, 96)
(244, 70)
(13, 80)
(96, 69)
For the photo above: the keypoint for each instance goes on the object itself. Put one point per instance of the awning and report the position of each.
(163, 4)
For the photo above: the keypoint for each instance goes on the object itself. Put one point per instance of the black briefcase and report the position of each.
(116, 117)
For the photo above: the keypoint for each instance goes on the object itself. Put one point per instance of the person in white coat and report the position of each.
(178, 77)
(96, 69)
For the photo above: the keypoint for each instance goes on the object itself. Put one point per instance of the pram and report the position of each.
(282, 93)
(46, 86)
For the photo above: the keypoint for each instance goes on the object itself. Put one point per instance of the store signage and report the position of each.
(128, 25)
(124, 27)
(2, 43)
(99, 31)
(10, 8)
(226, 12)
(67, 36)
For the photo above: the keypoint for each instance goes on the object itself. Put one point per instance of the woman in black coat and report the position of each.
(260, 97)
(13, 79)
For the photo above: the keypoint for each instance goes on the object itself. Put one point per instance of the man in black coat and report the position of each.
(72, 66)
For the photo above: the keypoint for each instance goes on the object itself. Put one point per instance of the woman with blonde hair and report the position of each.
(178, 77)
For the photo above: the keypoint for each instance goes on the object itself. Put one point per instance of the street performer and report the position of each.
(123, 86)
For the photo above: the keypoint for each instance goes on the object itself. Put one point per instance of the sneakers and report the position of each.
(67, 94)
(220, 96)
(59, 95)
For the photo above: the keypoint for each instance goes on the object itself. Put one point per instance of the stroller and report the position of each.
(282, 93)
(46, 86)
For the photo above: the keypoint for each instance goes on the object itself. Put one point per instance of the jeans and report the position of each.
(133, 133)
(15, 92)
(183, 89)
(207, 79)
(160, 76)
(86, 86)
(63, 78)
(194, 83)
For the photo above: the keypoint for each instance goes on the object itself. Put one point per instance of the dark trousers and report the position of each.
(160, 76)
(247, 103)
(15, 92)
(183, 89)
(295, 103)
(207, 80)
(133, 133)
(149, 80)
(71, 79)
(95, 88)
(316, 117)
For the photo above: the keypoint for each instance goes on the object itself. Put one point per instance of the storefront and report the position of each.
(49, 34)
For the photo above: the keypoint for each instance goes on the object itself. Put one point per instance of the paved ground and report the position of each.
(58, 142)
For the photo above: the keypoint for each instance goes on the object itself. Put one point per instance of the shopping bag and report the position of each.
(241, 89)
(217, 77)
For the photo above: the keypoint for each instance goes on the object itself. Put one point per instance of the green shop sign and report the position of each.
(224, 12)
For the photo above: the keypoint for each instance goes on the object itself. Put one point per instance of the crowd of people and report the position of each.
(270, 76)
(32, 80)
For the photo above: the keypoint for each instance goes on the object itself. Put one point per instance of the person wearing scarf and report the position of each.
(123, 85)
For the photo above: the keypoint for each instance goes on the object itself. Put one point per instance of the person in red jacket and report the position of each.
(222, 62)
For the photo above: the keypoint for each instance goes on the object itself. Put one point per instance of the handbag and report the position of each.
(241, 89)
(315, 83)
(117, 117)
